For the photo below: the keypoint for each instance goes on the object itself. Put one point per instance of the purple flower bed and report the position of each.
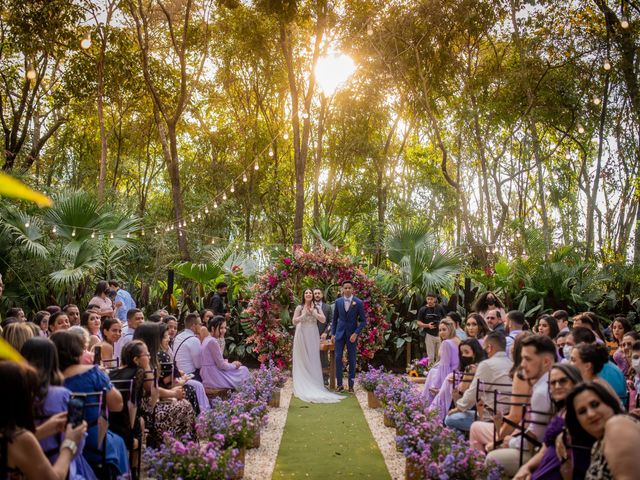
(371, 378)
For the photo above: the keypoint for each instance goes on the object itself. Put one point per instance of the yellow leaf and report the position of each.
(7, 352)
(11, 187)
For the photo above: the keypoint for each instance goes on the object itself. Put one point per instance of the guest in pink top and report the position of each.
(215, 371)
(102, 301)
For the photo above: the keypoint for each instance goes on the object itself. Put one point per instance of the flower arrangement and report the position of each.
(370, 379)
(392, 389)
(176, 459)
(418, 367)
(274, 292)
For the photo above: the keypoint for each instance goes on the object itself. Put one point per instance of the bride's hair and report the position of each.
(303, 294)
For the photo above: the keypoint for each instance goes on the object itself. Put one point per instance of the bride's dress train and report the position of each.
(308, 385)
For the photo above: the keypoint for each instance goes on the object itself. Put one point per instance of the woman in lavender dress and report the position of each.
(41, 353)
(448, 362)
(216, 372)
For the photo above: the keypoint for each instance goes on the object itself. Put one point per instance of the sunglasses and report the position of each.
(561, 382)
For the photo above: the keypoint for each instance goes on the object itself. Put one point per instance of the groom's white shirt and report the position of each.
(347, 303)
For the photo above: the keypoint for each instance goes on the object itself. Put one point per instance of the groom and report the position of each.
(348, 322)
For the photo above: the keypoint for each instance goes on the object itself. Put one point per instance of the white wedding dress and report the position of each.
(308, 385)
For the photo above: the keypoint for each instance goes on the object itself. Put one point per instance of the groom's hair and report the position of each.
(344, 282)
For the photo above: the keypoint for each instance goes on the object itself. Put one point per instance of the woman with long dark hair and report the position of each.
(488, 301)
(101, 299)
(216, 371)
(19, 386)
(476, 327)
(52, 400)
(548, 326)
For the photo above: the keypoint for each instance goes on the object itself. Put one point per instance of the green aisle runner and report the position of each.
(328, 441)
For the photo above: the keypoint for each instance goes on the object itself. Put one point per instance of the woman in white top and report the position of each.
(102, 301)
(308, 384)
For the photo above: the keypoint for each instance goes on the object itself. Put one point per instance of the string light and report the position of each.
(142, 233)
(285, 136)
(271, 153)
(568, 156)
(244, 177)
(26, 224)
(179, 233)
(128, 235)
(54, 230)
(73, 233)
(256, 166)
(93, 234)
(192, 219)
(596, 100)
(199, 216)
(155, 231)
(31, 73)
(206, 210)
(624, 23)
(111, 235)
(215, 204)
(580, 129)
(85, 43)
(305, 115)
(224, 196)
(369, 30)
(212, 240)
(233, 188)
(607, 65)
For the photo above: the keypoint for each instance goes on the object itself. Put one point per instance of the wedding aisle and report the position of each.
(323, 441)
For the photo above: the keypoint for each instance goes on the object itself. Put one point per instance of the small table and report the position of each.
(330, 347)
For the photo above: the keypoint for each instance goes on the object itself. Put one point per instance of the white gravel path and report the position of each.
(260, 462)
(385, 436)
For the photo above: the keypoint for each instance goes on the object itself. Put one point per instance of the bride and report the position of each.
(308, 384)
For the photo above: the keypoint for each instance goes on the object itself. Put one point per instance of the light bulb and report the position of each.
(54, 230)
(256, 166)
(73, 233)
(192, 219)
(607, 65)
(168, 229)
(215, 204)
(111, 235)
(206, 210)
(224, 196)
(155, 230)
(199, 216)
(212, 241)
(271, 153)
(624, 23)
(305, 115)
(85, 43)
(180, 233)
(233, 189)
(128, 235)
(31, 73)
(369, 30)
(285, 136)
(580, 129)
(26, 224)
(568, 156)
(237, 247)
(93, 234)
(142, 233)
(244, 177)
(596, 100)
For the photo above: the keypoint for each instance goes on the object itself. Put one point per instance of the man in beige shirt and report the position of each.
(493, 370)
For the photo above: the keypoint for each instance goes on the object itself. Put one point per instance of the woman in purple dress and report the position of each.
(545, 465)
(53, 399)
(448, 362)
(216, 372)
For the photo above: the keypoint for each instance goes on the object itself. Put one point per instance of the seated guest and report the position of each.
(476, 327)
(495, 319)
(481, 433)
(589, 320)
(186, 346)
(448, 359)
(216, 371)
(155, 337)
(548, 326)
(172, 328)
(87, 379)
(205, 316)
(135, 317)
(545, 464)
(470, 353)
(73, 314)
(111, 329)
(52, 402)
(16, 334)
(562, 317)
(176, 416)
(560, 341)
(87, 356)
(615, 455)
(24, 457)
(42, 321)
(91, 321)
(622, 356)
(58, 321)
(619, 328)
(17, 313)
(457, 320)
(493, 370)
(591, 359)
(538, 356)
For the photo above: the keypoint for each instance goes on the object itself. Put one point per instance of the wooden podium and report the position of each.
(330, 347)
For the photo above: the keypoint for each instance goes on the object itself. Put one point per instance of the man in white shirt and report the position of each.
(515, 324)
(135, 317)
(186, 346)
(493, 370)
(538, 356)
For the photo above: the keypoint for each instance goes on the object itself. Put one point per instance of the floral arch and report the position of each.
(278, 288)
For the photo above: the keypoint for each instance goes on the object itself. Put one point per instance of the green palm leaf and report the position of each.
(24, 231)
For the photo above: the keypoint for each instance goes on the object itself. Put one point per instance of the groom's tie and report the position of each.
(347, 304)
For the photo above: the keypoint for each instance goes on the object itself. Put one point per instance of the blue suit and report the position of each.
(344, 324)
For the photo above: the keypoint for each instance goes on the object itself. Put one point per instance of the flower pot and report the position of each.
(242, 453)
(388, 421)
(413, 471)
(372, 400)
(417, 379)
(275, 398)
(256, 441)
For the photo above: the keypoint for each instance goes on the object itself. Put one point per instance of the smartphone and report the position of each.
(97, 355)
(75, 411)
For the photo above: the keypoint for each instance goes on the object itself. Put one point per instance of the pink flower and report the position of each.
(286, 261)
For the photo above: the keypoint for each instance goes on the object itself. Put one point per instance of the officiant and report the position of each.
(324, 330)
